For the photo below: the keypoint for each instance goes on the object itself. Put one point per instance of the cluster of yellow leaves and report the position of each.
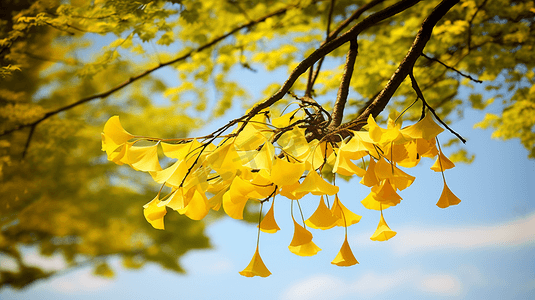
(264, 158)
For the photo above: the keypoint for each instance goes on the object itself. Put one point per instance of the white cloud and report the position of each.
(54, 262)
(371, 285)
(515, 233)
(442, 284)
(82, 281)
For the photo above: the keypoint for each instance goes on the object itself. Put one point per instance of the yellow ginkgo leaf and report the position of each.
(370, 202)
(383, 169)
(154, 214)
(345, 257)
(176, 201)
(344, 166)
(442, 163)
(301, 235)
(345, 217)
(115, 152)
(401, 180)
(224, 159)
(286, 173)
(316, 185)
(383, 232)
(115, 131)
(386, 194)
(256, 267)
(290, 191)
(410, 157)
(184, 151)
(262, 159)
(370, 179)
(447, 198)
(322, 218)
(426, 129)
(294, 143)
(288, 118)
(173, 175)
(268, 223)
(234, 207)
(215, 201)
(143, 158)
(308, 249)
(197, 207)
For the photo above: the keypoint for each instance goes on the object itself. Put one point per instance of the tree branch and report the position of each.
(335, 33)
(338, 110)
(422, 37)
(145, 73)
(351, 34)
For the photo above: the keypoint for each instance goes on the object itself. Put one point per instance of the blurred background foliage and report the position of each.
(59, 195)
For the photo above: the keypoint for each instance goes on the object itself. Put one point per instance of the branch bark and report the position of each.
(351, 34)
(343, 91)
(422, 37)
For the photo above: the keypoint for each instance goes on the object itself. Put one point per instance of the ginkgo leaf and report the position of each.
(224, 159)
(286, 173)
(411, 156)
(294, 143)
(383, 136)
(290, 191)
(442, 163)
(386, 194)
(256, 267)
(115, 131)
(301, 235)
(401, 180)
(154, 214)
(322, 218)
(308, 249)
(184, 151)
(268, 223)
(197, 207)
(345, 257)
(288, 118)
(316, 185)
(370, 202)
(173, 175)
(383, 169)
(370, 179)
(262, 159)
(234, 207)
(143, 158)
(215, 201)
(344, 166)
(426, 129)
(345, 217)
(447, 198)
(176, 201)
(383, 232)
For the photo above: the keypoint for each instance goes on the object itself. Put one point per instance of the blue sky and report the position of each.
(480, 249)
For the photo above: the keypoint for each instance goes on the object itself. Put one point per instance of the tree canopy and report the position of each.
(69, 68)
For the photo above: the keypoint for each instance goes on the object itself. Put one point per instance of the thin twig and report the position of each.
(451, 68)
(421, 96)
